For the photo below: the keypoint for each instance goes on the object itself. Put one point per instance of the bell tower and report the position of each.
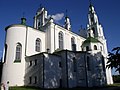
(96, 40)
(93, 23)
(40, 18)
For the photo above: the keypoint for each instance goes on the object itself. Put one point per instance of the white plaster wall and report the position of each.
(91, 47)
(15, 34)
(14, 72)
(32, 35)
(105, 54)
(67, 35)
(51, 37)
(47, 37)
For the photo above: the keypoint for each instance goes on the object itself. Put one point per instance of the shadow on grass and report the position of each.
(109, 87)
(25, 88)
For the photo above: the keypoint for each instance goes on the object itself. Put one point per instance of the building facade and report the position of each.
(48, 55)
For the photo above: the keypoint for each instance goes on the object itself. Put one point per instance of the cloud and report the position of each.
(57, 17)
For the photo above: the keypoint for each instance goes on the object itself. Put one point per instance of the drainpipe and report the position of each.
(67, 69)
(54, 37)
(43, 70)
(26, 40)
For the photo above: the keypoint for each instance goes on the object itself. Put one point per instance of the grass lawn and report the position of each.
(115, 84)
(24, 88)
(93, 88)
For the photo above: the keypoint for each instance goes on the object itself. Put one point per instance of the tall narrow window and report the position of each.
(74, 63)
(37, 46)
(95, 47)
(101, 48)
(35, 79)
(5, 53)
(92, 20)
(30, 80)
(87, 48)
(73, 45)
(30, 63)
(35, 62)
(88, 63)
(18, 52)
(93, 30)
(60, 83)
(60, 64)
(60, 40)
(38, 25)
(103, 64)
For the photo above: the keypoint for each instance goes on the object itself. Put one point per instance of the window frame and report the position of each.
(74, 64)
(60, 40)
(30, 63)
(87, 48)
(5, 54)
(35, 62)
(18, 52)
(73, 45)
(88, 63)
(30, 80)
(38, 45)
(35, 80)
(95, 47)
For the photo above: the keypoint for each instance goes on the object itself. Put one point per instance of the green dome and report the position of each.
(91, 40)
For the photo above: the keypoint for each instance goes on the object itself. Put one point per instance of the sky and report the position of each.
(108, 11)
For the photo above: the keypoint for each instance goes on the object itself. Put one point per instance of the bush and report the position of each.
(116, 78)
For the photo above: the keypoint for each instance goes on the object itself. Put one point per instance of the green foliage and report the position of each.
(114, 59)
(116, 78)
(114, 85)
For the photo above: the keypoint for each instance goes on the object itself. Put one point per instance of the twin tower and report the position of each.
(41, 18)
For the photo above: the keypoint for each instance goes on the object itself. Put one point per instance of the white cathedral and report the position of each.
(49, 55)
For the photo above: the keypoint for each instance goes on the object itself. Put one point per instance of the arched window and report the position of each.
(37, 45)
(73, 45)
(92, 20)
(95, 47)
(38, 25)
(18, 52)
(87, 48)
(101, 48)
(82, 49)
(5, 53)
(93, 30)
(60, 40)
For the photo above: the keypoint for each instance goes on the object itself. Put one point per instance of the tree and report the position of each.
(114, 59)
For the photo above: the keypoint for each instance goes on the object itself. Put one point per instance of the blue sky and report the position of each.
(108, 12)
